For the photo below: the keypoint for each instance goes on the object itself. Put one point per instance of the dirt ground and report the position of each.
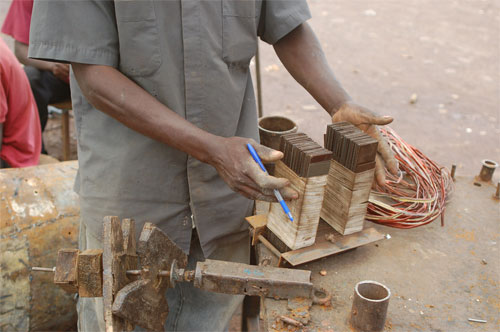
(439, 277)
(447, 53)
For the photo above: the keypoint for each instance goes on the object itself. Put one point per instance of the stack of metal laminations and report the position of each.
(305, 164)
(350, 177)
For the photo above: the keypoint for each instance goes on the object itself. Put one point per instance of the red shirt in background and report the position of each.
(22, 135)
(18, 20)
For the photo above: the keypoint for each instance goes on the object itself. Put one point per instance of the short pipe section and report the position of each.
(487, 170)
(369, 307)
(271, 128)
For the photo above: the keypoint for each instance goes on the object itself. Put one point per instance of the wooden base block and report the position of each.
(328, 242)
(346, 198)
(305, 210)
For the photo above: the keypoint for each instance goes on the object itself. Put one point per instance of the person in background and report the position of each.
(20, 132)
(49, 81)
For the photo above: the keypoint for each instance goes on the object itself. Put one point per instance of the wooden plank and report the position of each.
(323, 248)
(90, 273)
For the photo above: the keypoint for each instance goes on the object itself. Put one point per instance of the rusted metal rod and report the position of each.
(291, 321)
(186, 275)
(453, 170)
(161, 273)
(259, 83)
(43, 269)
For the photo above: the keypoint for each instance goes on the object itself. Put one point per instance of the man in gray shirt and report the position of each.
(164, 106)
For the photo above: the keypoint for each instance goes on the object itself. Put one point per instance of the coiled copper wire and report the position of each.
(417, 196)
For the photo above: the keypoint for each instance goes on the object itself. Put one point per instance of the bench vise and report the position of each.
(133, 277)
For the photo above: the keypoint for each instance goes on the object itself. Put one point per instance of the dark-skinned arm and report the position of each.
(113, 93)
(302, 55)
(60, 70)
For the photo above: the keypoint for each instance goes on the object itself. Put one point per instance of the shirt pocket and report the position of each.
(239, 31)
(140, 53)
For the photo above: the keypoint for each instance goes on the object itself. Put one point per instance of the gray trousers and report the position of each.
(190, 309)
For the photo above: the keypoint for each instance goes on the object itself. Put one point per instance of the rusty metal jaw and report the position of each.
(143, 302)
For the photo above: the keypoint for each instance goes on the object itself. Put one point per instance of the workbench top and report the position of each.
(439, 276)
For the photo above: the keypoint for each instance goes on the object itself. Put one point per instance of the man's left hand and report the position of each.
(368, 121)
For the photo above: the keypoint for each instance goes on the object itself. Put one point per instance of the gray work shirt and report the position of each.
(193, 56)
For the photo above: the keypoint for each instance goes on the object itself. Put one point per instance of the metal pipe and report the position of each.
(43, 269)
(259, 83)
(369, 307)
(161, 273)
(487, 170)
(453, 170)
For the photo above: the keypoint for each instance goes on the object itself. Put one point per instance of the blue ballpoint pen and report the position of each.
(276, 191)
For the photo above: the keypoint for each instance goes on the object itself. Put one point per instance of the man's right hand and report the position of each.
(61, 71)
(236, 167)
